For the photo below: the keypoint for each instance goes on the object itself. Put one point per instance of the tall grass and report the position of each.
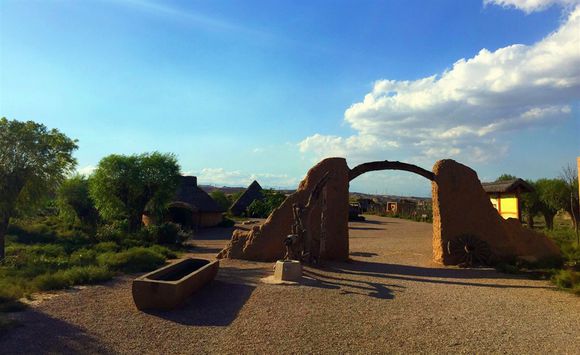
(45, 254)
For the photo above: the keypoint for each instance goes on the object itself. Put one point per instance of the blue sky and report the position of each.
(244, 90)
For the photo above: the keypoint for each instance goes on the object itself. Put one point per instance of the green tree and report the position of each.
(505, 177)
(123, 187)
(74, 201)
(221, 199)
(33, 162)
(531, 204)
(552, 195)
(572, 206)
(263, 208)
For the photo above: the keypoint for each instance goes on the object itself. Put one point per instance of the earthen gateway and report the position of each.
(464, 220)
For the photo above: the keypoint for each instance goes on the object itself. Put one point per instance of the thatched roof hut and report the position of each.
(189, 195)
(507, 186)
(252, 193)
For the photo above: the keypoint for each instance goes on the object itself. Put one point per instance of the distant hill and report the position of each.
(228, 190)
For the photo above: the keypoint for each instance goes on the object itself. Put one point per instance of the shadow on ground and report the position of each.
(423, 274)
(44, 334)
(349, 286)
(218, 303)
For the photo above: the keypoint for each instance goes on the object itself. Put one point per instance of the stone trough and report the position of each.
(170, 286)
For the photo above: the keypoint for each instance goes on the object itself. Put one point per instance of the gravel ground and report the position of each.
(389, 299)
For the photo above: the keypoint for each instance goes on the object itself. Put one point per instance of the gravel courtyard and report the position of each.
(389, 299)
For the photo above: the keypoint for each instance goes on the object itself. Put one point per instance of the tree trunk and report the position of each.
(530, 220)
(3, 229)
(549, 218)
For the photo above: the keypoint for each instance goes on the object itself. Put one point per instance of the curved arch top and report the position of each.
(389, 165)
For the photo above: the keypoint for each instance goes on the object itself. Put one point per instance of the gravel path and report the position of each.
(389, 299)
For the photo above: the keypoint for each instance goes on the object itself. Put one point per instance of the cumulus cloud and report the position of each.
(86, 170)
(529, 6)
(222, 177)
(461, 112)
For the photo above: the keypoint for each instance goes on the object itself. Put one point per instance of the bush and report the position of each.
(227, 222)
(137, 259)
(166, 252)
(165, 233)
(55, 281)
(10, 293)
(568, 279)
(112, 232)
(104, 247)
(73, 276)
(83, 257)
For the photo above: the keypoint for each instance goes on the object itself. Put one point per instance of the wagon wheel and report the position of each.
(468, 250)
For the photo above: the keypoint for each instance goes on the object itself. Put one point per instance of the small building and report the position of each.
(252, 193)
(401, 207)
(505, 196)
(192, 207)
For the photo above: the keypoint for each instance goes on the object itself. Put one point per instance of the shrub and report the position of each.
(83, 257)
(166, 252)
(165, 233)
(46, 282)
(112, 232)
(137, 259)
(73, 276)
(568, 279)
(227, 222)
(104, 247)
(10, 293)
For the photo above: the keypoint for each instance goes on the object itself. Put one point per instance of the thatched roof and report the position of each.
(507, 186)
(252, 193)
(191, 195)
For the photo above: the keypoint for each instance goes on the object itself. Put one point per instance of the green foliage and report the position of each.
(221, 199)
(10, 293)
(505, 177)
(33, 162)
(227, 222)
(74, 202)
(136, 259)
(263, 208)
(123, 187)
(568, 280)
(74, 276)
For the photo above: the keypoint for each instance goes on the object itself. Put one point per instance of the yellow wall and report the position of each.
(507, 205)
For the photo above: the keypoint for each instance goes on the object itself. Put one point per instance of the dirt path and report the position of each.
(390, 299)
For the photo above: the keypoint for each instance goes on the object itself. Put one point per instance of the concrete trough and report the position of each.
(170, 286)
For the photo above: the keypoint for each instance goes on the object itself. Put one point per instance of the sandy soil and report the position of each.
(389, 299)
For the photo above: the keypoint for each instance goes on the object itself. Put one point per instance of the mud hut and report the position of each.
(252, 193)
(505, 196)
(192, 207)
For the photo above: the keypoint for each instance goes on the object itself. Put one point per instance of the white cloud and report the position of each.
(465, 111)
(222, 177)
(529, 6)
(86, 170)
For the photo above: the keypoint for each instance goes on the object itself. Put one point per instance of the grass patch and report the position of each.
(138, 259)
(45, 254)
(78, 275)
(567, 280)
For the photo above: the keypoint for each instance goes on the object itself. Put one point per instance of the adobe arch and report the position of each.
(460, 207)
